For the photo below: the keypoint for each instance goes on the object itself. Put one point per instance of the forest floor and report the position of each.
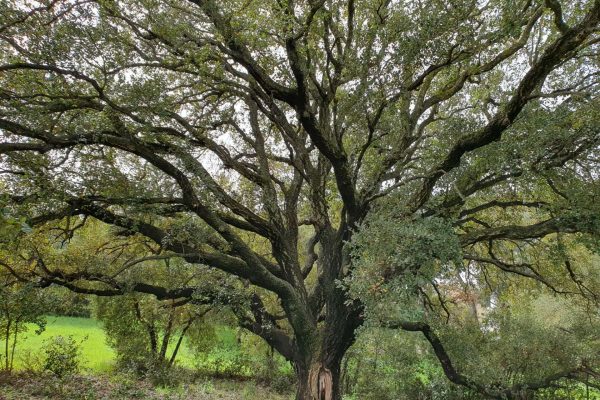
(25, 386)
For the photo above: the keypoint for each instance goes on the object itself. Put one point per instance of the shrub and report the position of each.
(62, 356)
(31, 361)
(282, 382)
(161, 374)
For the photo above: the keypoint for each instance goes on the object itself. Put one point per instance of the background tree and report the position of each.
(219, 129)
(145, 332)
(20, 305)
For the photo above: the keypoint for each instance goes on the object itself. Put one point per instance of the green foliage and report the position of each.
(69, 304)
(523, 339)
(62, 356)
(124, 332)
(146, 333)
(202, 338)
(497, 329)
(11, 224)
(237, 354)
(10, 227)
(392, 260)
(394, 365)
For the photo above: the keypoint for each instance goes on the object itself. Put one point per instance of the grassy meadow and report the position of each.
(98, 356)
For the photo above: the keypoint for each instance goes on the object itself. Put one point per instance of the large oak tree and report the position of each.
(256, 137)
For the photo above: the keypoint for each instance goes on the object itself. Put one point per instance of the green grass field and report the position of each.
(97, 355)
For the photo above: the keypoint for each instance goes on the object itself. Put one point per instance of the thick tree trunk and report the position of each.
(318, 382)
(319, 373)
(318, 367)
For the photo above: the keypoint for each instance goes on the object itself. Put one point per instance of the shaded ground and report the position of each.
(25, 386)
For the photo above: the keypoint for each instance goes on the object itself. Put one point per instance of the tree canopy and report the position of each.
(338, 162)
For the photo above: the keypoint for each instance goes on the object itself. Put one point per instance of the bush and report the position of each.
(31, 361)
(282, 382)
(62, 356)
(160, 373)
